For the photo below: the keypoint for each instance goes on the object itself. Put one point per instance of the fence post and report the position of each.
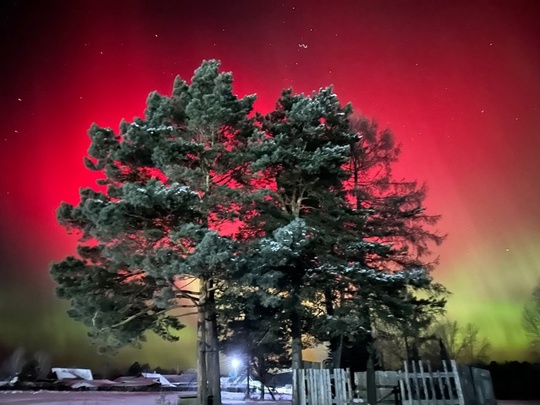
(350, 393)
(397, 394)
(424, 381)
(371, 386)
(298, 394)
(327, 390)
(459, 391)
(408, 383)
(473, 382)
(447, 381)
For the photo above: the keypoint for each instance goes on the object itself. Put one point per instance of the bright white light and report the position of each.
(235, 363)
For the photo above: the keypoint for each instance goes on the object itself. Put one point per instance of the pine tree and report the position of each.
(362, 226)
(530, 319)
(391, 233)
(305, 143)
(328, 241)
(154, 225)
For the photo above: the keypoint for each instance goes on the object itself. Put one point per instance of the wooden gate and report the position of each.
(386, 383)
(320, 387)
(422, 386)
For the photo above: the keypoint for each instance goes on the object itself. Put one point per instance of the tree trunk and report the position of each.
(336, 342)
(338, 352)
(407, 350)
(202, 379)
(261, 373)
(296, 334)
(296, 349)
(247, 396)
(370, 381)
(212, 354)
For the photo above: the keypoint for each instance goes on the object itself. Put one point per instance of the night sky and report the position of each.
(458, 82)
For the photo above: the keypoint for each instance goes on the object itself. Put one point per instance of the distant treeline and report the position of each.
(515, 380)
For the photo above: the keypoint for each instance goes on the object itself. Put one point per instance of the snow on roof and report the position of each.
(135, 381)
(158, 378)
(71, 373)
(173, 378)
(75, 384)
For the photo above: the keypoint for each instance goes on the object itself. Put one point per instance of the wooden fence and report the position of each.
(423, 386)
(453, 385)
(476, 384)
(418, 385)
(319, 387)
(385, 384)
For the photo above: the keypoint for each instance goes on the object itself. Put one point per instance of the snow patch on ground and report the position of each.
(120, 398)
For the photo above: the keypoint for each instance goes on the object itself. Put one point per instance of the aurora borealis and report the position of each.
(457, 81)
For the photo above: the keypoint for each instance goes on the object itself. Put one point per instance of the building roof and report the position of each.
(135, 381)
(158, 378)
(73, 373)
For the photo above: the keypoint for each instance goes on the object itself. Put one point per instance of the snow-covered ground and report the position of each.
(118, 398)
(138, 398)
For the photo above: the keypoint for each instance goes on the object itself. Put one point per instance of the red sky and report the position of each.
(457, 81)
